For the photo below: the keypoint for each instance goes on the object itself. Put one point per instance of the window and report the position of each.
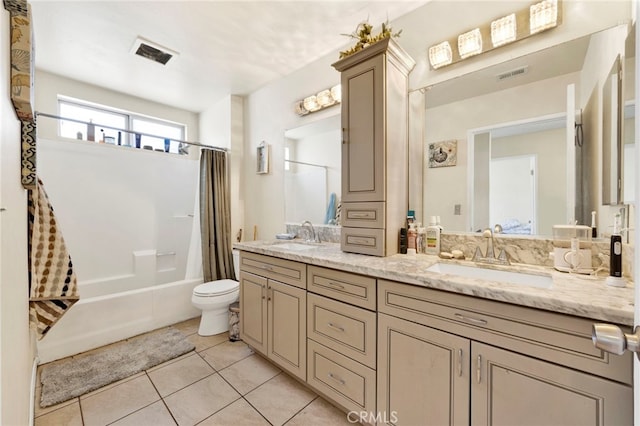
(148, 127)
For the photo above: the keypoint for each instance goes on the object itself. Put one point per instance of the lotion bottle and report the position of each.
(433, 236)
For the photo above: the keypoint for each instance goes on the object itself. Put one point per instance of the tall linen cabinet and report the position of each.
(374, 147)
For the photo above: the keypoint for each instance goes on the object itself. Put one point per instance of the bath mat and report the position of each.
(71, 377)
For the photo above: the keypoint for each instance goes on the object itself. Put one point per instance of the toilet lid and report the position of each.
(216, 288)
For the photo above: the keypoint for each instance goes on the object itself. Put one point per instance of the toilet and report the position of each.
(214, 298)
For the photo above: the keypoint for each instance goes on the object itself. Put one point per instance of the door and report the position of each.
(287, 327)
(512, 389)
(363, 132)
(423, 374)
(253, 311)
(512, 190)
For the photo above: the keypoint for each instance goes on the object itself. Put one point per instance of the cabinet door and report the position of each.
(253, 311)
(363, 131)
(423, 374)
(288, 327)
(510, 389)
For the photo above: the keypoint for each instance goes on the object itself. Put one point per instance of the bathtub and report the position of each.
(99, 320)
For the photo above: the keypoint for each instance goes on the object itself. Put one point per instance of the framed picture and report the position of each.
(262, 154)
(443, 154)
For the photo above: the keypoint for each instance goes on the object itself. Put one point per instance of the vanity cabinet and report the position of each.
(273, 301)
(446, 358)
(374, 147)
(341, 337)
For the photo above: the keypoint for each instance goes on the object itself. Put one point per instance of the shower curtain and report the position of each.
(215, 216)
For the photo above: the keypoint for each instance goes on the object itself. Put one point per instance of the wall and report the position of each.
(269, 110)
(48, 86)
(17, 350)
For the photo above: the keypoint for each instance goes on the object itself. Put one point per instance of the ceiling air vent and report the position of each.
(153, 51)
(513, 73)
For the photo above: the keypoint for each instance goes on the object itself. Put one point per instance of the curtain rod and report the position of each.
(44, 114)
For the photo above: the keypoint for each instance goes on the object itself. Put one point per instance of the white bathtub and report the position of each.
(100, 320)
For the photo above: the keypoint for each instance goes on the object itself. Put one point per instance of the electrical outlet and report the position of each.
(456, 209)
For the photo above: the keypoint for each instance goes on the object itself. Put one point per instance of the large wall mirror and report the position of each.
(312, 171)
(628, 125)
(514, 126)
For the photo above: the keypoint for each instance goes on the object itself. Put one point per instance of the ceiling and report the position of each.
(224, 47)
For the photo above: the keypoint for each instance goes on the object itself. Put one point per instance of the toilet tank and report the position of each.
(236, 263)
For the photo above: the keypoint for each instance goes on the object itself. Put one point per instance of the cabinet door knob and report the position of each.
(459, 362)
(610, 338)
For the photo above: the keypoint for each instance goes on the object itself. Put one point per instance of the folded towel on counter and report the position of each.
(53, 286)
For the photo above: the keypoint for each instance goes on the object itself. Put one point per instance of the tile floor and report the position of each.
(221, 383)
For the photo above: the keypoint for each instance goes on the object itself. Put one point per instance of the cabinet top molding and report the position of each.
(388, 46)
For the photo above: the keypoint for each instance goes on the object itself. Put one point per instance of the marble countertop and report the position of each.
(572, 294)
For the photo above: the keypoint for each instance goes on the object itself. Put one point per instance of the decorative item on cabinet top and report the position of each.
(365, 38)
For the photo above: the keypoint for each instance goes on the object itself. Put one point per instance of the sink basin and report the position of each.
(510, 277)
(295, 246)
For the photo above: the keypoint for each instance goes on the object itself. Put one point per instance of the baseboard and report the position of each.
(32, 396)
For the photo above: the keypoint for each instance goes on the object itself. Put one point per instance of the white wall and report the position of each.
(269, 111)
(48, 86)
(17, 350)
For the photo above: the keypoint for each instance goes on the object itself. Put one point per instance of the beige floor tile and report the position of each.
(155, 414)
(200, 400)
(177, 375)
(205, 342)
(225, 354)
(171, 361)
(320, 413)
(113, 385)
(39, 411)
(280, 398)
(119, 401)
(238, 413)
(188, 327)
(68, 415)
(249, 373)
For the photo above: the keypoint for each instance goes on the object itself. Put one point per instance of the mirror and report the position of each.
(513, 116)
(628, 126)
(312, 172)
(612, 136)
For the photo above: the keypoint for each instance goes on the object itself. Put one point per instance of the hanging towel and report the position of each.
(330, 216)
(53, 286)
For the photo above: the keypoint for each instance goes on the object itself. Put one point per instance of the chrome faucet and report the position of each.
(313, 237)
(490, 254)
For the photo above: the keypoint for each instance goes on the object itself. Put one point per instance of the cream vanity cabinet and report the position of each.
(446, 358)
(273, 306)
(341, 336)
(374, 147)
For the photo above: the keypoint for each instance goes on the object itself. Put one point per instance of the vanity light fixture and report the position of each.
(470, 43)
(321, 100)
(533, 19)
(543, 15)
(440, 55)
(503, 30)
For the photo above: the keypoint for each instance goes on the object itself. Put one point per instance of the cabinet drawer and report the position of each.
(343, 328)
(558, 338)
(363, 215)
(363, 241)
(285, 271)
(350, 288)
(348, 383)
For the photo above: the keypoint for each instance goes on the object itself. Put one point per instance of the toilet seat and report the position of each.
(216, 288)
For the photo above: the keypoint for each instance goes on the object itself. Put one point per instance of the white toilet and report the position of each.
(214, 298)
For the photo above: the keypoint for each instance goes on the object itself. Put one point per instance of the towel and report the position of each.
(53, 286)
(330, 216)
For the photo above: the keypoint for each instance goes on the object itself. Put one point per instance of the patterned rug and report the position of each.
(71, 377)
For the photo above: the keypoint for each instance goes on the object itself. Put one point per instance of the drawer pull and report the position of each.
(267, 267)
(459, 362)
(337, 327)
(337, 379)
(479, 369)
(476, 321)
(360, 215)
(334, 284)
